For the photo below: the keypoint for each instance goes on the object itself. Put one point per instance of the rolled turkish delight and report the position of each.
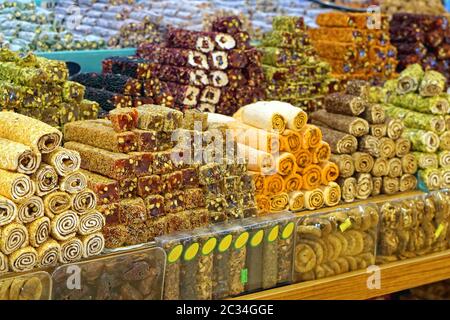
(182, 75)
(202, 41)
(113, 165)
(228, 24)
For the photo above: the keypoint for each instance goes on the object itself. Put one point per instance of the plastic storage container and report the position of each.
(229, 259)
(27, 286)
(136, 275)
(414, 226)
(337, 242)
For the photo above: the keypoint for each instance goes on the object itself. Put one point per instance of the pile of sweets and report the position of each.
(293, 72)
(287, 158)
(367, 146)
(48, 215)
(146, 183)
(39, 88)
(26, 27)
(412, 6)
(120, 24)
(214, 71)
(356, 46)
(257, 14)
(423, 39)
(418, 99)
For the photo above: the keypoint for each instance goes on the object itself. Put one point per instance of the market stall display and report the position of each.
(41, 226)
(368, 146)
(355, 45)
(40, 88)
(293, 71)
(422, 39)
(417, 98)
(229, 260)
(333, 243)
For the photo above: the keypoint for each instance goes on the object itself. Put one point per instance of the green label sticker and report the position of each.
(244, 276)
(175, 253)
(288, 230)
(438, 231)
(273, 234)
(257, 238)
(345, 225)
(241, 240)
(209, 246)
(191, 252)
(225, 244)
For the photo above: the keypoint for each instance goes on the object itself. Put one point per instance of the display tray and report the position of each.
(28, 286)
(89, 60)
(134, 275)
(394, 277)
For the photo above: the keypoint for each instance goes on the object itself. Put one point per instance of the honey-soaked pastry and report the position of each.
(318, 248)
(355, 242)
(329, 272)
(352, 262)
(344, 242)
(5, 286)
(309, 230)
(320, 272)
(306, 276)
(343, 264)
(31, 289)
(403, 240)
(305, 258)
(336, 244)
(323, 224)
(15, 288)
(355, 218)
(389, 242)
(369, 242)
(389, 216)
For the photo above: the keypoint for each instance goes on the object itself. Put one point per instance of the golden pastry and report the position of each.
(31, 289)
(333, 265)
(343, 264)
(403, 240)
(388, 242)
(336, 245)
(320, 272)
(323, 224)
(374, 214)
(320, 249)
(355, 242)
(309, 230)
(355, 218)
(16, 288)
(353, 264)
(306, 276)
(328, 271)
(5, 286)
(369, 242)
(343, 240)
(305, 258)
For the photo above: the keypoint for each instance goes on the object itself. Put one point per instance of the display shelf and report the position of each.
(395, 277)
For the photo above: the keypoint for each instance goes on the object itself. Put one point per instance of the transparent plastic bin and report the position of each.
(26, 286)
(336, 242)
(229, 259)
(414, 226)
(135, 275)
